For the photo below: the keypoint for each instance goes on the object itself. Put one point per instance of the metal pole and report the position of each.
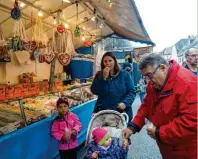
(22, 112)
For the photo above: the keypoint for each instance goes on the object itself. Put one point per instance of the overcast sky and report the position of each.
(168, 21)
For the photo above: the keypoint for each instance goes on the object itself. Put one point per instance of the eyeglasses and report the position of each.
(150, 75)
(193, 55)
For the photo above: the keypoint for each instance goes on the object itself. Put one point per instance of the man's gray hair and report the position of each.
(152, 59)
(191, 50)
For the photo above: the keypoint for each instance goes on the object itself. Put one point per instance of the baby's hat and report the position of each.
(100, 135)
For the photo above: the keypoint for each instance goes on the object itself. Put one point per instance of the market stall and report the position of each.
(38, 41)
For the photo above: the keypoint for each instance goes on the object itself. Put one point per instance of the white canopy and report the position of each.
(119, 17)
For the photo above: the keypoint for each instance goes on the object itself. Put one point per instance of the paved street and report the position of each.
(143, 147)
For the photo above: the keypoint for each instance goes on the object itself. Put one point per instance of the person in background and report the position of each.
(128, 66)
(104, 146)
(171, 105)
(141, 89)
(191, 60)
(113, 86)
(65, 128)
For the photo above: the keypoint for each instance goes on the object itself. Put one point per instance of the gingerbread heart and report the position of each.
(49, 57)
(41, 58)
(64, 58)
(29, 46)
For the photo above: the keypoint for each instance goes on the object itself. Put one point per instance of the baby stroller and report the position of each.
(112, 120)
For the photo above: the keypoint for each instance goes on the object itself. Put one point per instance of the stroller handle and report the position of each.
(126, 117)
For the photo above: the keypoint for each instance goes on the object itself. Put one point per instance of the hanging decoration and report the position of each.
(18, 36)
(4, 49)
(64, 57)
(87, 43)
(70, 44)
(77, 31)
(39, 35)
(61, 28)
(16, 12)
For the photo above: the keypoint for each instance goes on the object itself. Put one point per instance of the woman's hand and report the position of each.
(121, 106)
(94, 155)
(106, 71)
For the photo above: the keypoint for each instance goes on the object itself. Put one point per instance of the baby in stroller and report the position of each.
(104, 136)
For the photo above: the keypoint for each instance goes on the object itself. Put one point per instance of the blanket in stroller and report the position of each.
(115, 151)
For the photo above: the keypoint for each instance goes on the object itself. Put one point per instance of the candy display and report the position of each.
(40, 107)
(82, 56)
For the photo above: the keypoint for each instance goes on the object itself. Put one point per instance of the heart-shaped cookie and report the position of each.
(41, 58)
(49, 57)
(64, 58)
(29, 46)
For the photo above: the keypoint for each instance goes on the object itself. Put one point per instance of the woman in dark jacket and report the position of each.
(113, 86)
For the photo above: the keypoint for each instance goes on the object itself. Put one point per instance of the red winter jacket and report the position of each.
(173, 111)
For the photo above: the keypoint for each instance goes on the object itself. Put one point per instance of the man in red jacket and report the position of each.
(171, 105)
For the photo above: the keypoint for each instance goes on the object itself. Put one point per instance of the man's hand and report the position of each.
(94, 155)
(151, 131)
(126, 133)
(121, 106)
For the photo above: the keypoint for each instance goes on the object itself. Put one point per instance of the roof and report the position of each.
(167, 51)
(194, 44)
(180, 44)
(122, 19)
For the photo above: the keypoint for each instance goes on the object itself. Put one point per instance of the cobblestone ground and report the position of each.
(143, 147)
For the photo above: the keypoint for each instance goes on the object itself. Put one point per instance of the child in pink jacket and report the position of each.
(65, 128)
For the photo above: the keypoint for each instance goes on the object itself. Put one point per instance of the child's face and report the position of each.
(108, 142)
(63, 109)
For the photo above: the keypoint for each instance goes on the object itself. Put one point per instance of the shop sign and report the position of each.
(141, 51)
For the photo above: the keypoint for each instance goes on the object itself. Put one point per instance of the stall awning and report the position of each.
(119, 17)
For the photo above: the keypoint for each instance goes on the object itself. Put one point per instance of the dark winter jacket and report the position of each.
(114, 90)
(115, 151)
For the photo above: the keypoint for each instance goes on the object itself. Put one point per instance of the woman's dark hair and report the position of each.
(110, 54)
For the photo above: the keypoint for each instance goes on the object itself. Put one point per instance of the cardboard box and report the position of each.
(10, 91)
(18, 91)
(2, 92)
(26, 89)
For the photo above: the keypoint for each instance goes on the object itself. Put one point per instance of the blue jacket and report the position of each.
(115, 151)
(115, 90)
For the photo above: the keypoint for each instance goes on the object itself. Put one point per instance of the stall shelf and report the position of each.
(35, 141)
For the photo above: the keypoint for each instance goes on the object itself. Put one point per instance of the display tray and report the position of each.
(35, 141)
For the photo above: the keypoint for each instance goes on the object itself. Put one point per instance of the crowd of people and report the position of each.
(169, 101)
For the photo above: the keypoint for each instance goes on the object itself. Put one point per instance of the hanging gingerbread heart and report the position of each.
(49, 57)
(16, 12)
(61, 28)
(29, 46)
(64, 58)
(41, 58)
